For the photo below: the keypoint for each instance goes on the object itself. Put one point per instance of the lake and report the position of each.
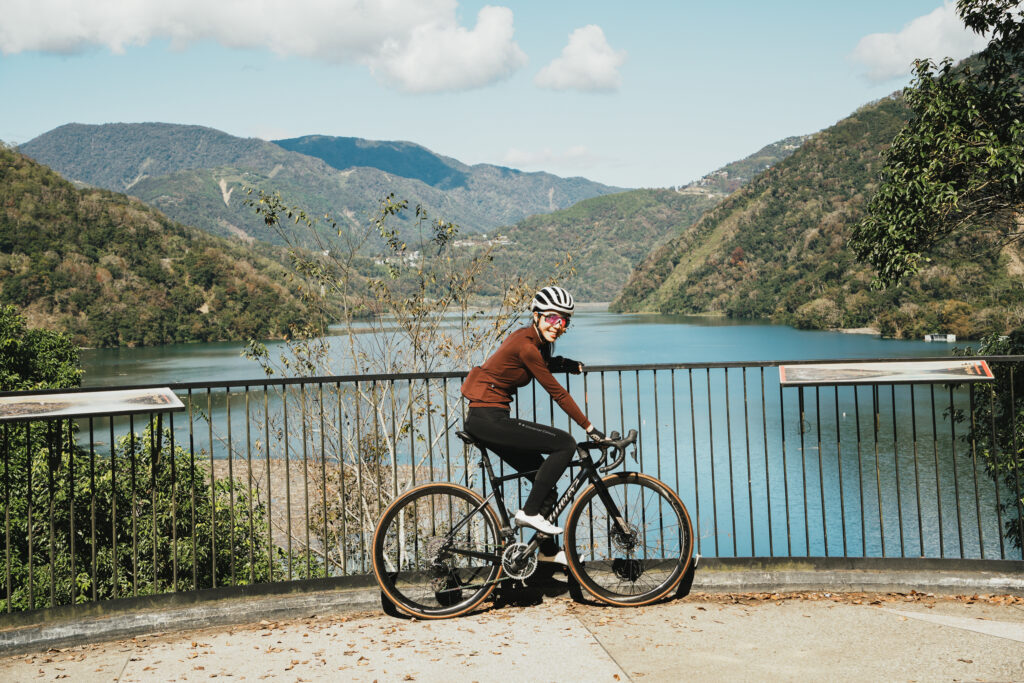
(595, 337)
(763, 470)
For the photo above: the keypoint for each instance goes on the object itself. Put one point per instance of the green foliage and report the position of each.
(142, 518)
(997, 429)
(958, 165)
(109, 271)
(143, 521)
(32, 358)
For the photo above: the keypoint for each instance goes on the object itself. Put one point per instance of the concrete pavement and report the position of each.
(536, 637)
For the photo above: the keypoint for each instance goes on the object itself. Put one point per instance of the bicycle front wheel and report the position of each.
(637, 563)
(437, 551)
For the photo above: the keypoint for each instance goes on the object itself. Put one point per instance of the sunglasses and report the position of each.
(556, 319)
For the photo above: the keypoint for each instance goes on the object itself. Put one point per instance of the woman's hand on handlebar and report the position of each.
(596, 434)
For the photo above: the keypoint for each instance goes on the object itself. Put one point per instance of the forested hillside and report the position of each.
(111, 271)
(197, 176)
(777, 249)
(606, 237)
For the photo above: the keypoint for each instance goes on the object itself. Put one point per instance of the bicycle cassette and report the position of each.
(517, 564)
(434, 549)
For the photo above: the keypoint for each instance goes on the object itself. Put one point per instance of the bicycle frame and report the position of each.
(588, 473)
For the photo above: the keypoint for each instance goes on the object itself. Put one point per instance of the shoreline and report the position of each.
(860, 330)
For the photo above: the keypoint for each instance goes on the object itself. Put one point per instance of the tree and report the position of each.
(422, 306)
(958, 168)
(33, 358)
(958, 165)
(996, 430)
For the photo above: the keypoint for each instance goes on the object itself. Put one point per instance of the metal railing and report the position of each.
(284, 479)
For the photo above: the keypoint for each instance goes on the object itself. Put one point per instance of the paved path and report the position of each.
(712, 637)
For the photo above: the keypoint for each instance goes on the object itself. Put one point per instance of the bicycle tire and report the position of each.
(421, 572)
(642, 566)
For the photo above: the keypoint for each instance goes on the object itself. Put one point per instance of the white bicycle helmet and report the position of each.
(553, 299)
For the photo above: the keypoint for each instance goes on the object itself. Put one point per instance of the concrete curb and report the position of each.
(231, 611)
(66, 627)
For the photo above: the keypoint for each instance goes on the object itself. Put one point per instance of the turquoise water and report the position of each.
(596, 338)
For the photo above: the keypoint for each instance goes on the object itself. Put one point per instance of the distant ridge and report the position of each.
(736, 174)
(406, 159)
(197, 176)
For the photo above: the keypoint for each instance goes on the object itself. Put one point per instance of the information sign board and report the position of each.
(22, 408)
(886, 372)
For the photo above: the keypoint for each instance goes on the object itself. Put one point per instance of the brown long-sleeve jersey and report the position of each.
(521, 357)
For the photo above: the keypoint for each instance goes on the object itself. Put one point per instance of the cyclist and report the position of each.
(523, 356)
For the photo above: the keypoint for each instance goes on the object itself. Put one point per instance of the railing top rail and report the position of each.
(459, 374)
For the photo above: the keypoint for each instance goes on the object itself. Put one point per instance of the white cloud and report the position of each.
(416, 45)
(444, 56)
(587, 63)
(936, 35)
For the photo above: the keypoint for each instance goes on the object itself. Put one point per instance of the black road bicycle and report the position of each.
(440, 549)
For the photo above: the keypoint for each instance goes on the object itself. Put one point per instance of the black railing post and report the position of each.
(767, 474)
(875, 421)
(785, 472)
(956, 476)
(1016, 459)
(917, 472)
(896, 468)
(938, 481)
(711, 459)
(839, 471)
(821, 472)
(974, 468)
(5, 445)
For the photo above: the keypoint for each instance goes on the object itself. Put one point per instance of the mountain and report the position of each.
(606, 237)
(777, 248)
(735, 175)
(199, 176)
(112, 271)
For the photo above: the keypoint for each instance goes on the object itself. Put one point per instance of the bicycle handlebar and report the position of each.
(618, 449)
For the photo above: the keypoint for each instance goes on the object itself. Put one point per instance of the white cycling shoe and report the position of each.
(536, 522)
(557, 558)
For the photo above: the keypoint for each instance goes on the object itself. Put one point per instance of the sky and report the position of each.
(641, 94)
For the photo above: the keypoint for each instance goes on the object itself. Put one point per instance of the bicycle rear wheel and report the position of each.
(641, 563)
(437, 551)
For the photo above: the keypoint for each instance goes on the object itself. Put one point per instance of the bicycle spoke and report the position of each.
(641, 562)
(437, 551)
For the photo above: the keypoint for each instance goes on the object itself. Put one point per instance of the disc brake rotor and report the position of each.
(627, 540)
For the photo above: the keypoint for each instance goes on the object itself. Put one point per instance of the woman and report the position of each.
(523, 356)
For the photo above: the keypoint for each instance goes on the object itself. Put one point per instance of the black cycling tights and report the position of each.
(520, 444)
